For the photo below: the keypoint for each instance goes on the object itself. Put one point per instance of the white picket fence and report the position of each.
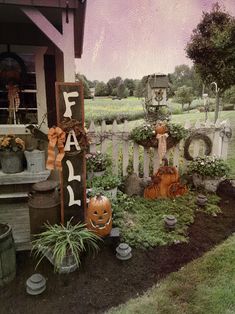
(118, 137)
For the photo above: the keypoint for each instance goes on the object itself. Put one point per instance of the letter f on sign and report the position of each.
(69, 104)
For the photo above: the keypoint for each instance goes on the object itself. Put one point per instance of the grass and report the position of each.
(141, 221)
(204, 286)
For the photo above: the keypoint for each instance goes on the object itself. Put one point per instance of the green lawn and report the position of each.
(204, 286)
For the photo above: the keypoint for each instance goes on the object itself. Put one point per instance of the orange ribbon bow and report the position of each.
(56, 137)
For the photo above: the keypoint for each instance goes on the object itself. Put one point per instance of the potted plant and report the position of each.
(97, 163)
(107, 183)
(63, 245)
(145, 134)
(12, 154)
(208, 172)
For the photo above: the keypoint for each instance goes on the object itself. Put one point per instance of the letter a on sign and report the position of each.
(70, 108)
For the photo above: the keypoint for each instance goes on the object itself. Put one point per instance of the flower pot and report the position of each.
(112, 192)
(208, 183)
(12, 162)
(98, 173)
(68, 264)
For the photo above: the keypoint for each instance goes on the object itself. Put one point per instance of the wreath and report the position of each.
(197, 136)
(8, 72)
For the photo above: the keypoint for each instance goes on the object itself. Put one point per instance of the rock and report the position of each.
(226, 187)
(134, 185)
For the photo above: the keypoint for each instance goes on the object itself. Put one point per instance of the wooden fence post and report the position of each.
(104, 140)
(92, 133)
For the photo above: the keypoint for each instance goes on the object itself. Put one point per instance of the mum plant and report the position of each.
(64, 241)
(106, 182)
(208, 166)
(11, 143)
(97, 161)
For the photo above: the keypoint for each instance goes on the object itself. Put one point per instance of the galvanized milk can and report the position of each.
(44, 205)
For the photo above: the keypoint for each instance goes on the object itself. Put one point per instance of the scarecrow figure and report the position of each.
(14, 102)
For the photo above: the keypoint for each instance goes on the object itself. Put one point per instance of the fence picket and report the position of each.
(225, 142)
(93, 136)
(115, 147)
(136, 159)
(104, 140)
(156, 162)
(125, 149)
(146, 162)
(196, 144)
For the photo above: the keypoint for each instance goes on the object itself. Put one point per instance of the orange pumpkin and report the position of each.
(177, 189)
(99, 215)
(151, 192)
(168, 176)
(161, 128)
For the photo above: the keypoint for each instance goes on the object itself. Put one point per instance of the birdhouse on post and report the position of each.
(156, 97)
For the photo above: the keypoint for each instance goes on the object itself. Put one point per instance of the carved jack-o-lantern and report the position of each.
(99, 215)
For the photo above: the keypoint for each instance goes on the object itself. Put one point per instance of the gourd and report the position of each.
(99, 215)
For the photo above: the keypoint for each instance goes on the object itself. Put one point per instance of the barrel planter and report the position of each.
(7, 255)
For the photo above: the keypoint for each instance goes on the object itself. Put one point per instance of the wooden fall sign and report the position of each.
(70, 111)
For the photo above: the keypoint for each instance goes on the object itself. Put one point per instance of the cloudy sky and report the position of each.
(132, 38)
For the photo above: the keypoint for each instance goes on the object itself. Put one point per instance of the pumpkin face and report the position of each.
(99, 215)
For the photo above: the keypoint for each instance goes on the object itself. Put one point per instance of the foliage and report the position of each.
(206, 285)
(101, 89)
(212, 48)
(106, 182)
(97, 161)
(208, 166)
(11, 143)
(229, 95)
(146, 132)
(86, 88)
(141, 221)
(183, 75)
(184, 95)
(65, 240)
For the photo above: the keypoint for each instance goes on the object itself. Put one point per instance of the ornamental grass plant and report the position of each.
(63, 241)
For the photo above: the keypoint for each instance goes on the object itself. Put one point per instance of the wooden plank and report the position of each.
(156, 162)
(196, 144)
(14, 195)
(225, 142)
(146, 162)
(17, 215)
(93, 135)
(115, 148)
(136, 159)
(104, 140)
(23, 177)
(125, 150)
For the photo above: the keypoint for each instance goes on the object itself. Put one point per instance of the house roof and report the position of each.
(10, 13)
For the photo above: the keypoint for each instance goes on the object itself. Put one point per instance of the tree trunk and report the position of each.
(217, 106)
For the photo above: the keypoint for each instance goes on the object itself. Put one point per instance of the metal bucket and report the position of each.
(35, 160)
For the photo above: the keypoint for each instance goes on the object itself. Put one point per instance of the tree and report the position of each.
(184, 95)
(185, 75)
(101, 89)
(113, 83)
(139, 89)
(86, 89)
(229, 95)
(212, 49)
(130, 85)
(122, 91)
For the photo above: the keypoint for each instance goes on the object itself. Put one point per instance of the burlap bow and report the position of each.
(56, 137)
(162, 145)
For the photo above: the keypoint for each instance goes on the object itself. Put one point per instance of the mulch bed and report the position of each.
(104, 281)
